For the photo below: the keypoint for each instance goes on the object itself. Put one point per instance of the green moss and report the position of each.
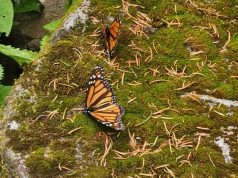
(64, 156)
(85, 122)
(97, 171)
(38, 163)
(233, 45)
(128, 166)
(3, 170)
(171, 44)
(43, 162)
(226, 91)
(228, 9)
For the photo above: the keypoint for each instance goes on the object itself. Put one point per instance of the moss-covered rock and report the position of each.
(170, 132)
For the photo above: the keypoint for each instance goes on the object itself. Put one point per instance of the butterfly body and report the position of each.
(100, 102)
(111, 33)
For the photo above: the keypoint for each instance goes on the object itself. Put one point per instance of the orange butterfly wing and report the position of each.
(111, 36)
(100, 101)
(110, 116)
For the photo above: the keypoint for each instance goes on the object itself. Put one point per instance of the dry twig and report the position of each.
(107, 145)
(227, 42)
(174, 72)
(185, 85)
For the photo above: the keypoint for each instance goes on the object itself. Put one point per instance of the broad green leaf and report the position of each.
(22, 6)
(4, 90)
(6, 16)
(1, 72)
(52, 25)
(20, 56)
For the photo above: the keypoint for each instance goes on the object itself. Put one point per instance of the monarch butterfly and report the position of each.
(110, 35)
(100, 101)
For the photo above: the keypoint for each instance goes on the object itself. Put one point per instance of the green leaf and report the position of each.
(52, 25)
(6, 16)
(1, 72)
(44, 41)
(20, 56)
(67, 4)
(4, 91)
(26, 6)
